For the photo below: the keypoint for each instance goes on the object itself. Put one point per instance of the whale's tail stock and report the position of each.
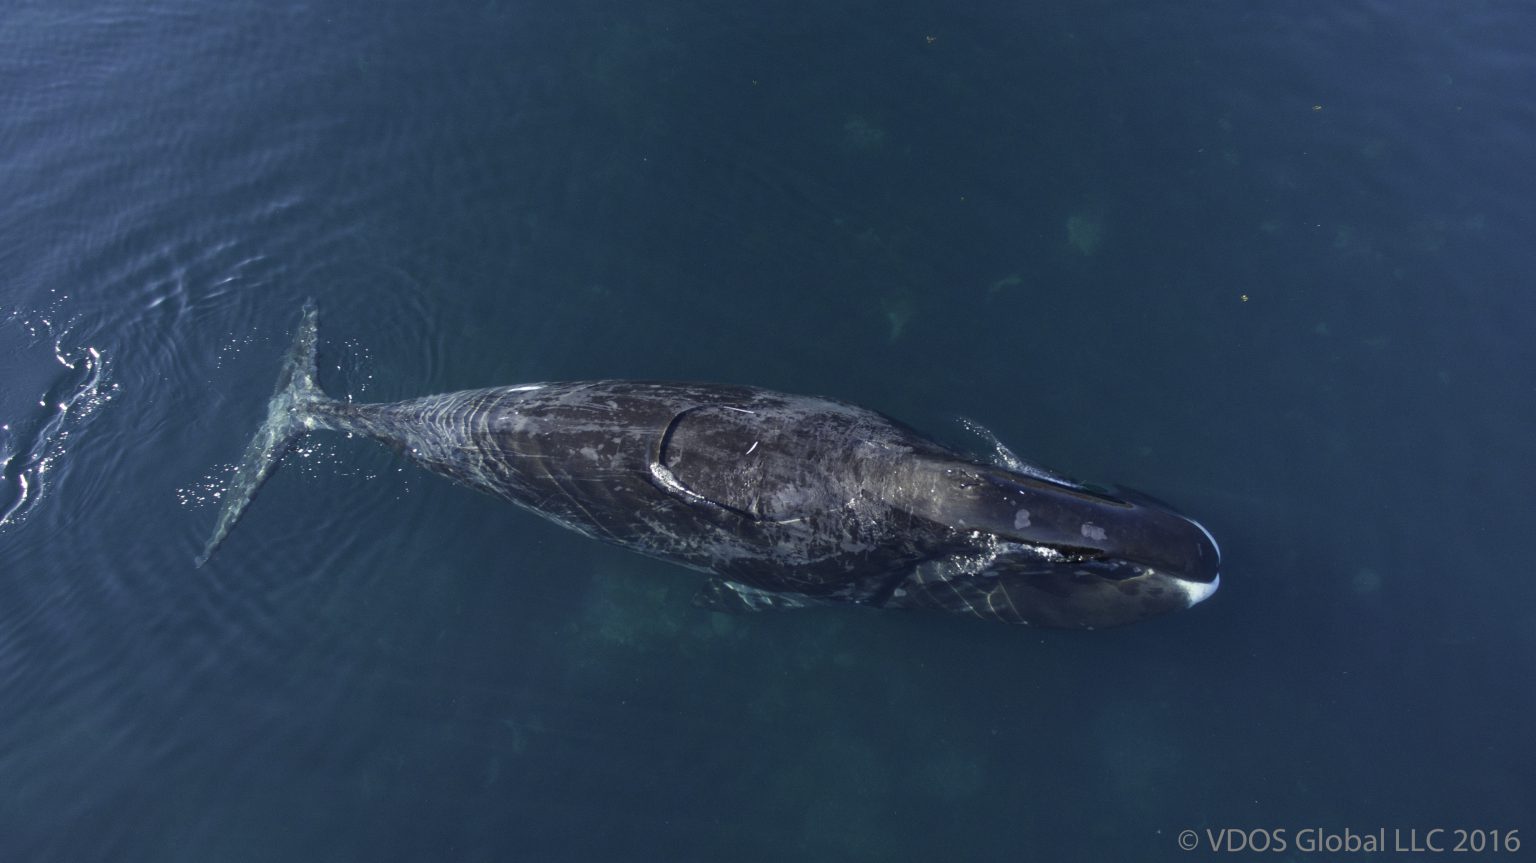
(289, 416)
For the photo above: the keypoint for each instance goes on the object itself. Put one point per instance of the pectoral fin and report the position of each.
(717, 594)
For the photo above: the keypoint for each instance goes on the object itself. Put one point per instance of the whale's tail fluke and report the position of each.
(289, 415)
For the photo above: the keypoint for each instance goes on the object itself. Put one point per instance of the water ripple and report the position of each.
(64, 394)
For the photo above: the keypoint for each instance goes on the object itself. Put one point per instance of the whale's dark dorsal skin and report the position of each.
(787, 500)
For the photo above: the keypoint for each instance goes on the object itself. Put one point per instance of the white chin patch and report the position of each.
(1197, 592)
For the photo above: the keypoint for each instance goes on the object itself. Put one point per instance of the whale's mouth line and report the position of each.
(1115, 568)
(1208, 536)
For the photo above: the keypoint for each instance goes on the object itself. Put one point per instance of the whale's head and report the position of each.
(1042, 550)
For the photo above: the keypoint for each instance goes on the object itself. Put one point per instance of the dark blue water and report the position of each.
(1272, 263)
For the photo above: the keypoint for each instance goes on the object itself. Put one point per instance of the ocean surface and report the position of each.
(1274, 263)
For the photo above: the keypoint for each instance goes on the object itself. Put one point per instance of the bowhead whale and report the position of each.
(786, 501)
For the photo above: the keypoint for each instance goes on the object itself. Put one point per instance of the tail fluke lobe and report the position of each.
(289, 415)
